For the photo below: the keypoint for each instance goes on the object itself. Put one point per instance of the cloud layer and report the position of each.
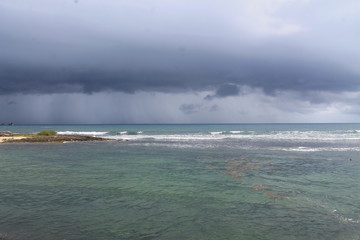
(216, 50)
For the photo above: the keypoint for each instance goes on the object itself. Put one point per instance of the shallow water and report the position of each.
(168, 189)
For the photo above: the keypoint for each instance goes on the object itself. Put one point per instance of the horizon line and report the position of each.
(247, 123)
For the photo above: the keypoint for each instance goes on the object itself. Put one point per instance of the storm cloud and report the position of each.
(218, 75)
(212, 49)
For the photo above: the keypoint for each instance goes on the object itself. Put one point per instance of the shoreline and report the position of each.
(4, 139)
(49, 139)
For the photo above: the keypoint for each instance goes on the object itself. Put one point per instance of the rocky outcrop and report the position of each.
(55, 139)
(5, 133)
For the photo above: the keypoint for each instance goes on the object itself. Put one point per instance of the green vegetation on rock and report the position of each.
(47, 133)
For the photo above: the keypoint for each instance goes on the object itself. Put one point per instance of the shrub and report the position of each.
(47, 133)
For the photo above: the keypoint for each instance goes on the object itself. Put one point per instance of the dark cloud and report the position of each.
(220, 74)
(278, 51)
(190, 108)
(226, 90)
(61, 48)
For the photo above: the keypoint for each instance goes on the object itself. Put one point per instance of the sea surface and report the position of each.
(233, 181)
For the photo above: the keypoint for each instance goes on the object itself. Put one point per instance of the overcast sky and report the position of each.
(179, 61)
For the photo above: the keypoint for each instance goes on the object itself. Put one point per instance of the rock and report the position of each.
(276, 196)
(56, 139)
(5, 133)
(260, 187)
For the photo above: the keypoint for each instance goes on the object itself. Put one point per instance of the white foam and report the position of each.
(291, 135)
(226, 132)
(344, 219)
(285, 135)
(236, 132)
(348, 220)
(171, 137)
(310, 135)
(130, 132)
(318, 149)
(82, 133)
(299, 140)
(216, 133)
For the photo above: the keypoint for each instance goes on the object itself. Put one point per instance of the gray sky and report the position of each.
(179, 61)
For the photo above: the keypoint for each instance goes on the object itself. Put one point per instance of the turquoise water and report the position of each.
(184, 182)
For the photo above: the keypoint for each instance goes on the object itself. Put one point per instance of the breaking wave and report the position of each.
(250, 135)
(292, 141)
(93, 133)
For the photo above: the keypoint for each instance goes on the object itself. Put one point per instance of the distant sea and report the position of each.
(223, 181)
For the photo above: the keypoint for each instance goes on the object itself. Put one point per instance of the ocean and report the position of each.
(223, 181)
